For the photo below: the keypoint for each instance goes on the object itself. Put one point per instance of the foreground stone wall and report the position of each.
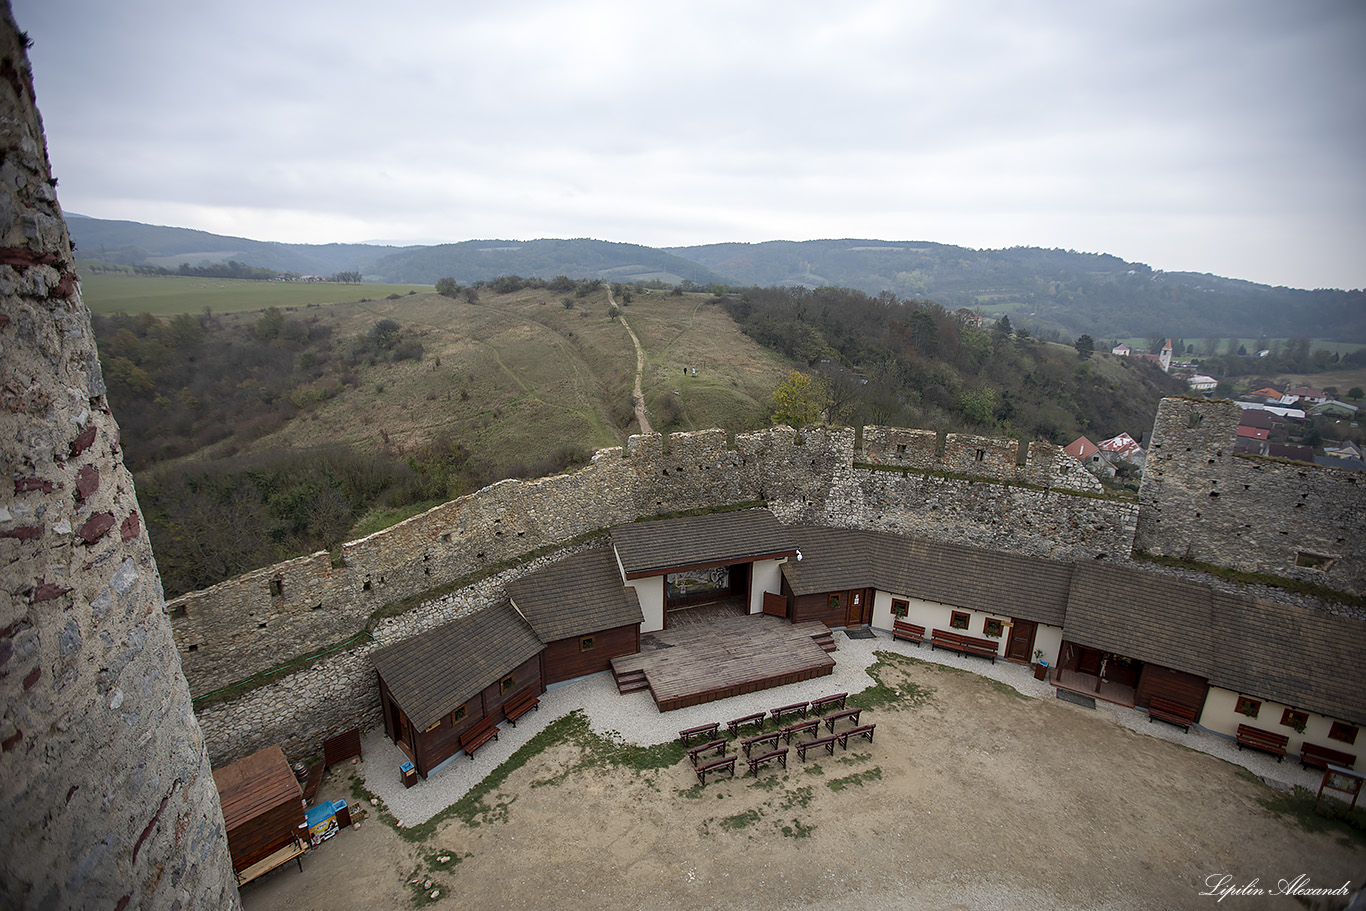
(1201, 501)
(106, 795)
(255, 622)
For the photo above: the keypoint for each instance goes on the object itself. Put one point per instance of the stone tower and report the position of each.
(106, 796)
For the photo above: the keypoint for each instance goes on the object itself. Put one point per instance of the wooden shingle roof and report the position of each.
(1143, 615)
(1306, 659)
(583, 594)
(439, 670)
(656, 547)
(954, 574)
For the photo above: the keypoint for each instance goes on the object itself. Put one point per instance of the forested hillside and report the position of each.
(1049, 290)
(914, 364)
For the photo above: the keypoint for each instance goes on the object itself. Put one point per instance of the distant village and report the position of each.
(1276, 421)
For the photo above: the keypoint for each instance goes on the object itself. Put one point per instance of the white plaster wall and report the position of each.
(650, 591)
(1048, 638)
(1219, 716)
(766, 576)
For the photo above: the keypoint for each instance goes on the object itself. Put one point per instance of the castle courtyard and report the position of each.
(971, 795)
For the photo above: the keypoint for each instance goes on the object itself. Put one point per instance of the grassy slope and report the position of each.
(516, 376)
(171, 294)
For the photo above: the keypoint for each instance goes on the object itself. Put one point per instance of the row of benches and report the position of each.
(943, 638)
(758, 719)
(762, 748)
(1275, 744)
(725, 762)
(487, 729)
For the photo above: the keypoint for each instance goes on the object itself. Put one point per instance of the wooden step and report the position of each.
(630, 681)
(826, 641)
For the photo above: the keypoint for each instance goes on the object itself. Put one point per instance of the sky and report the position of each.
(1221, 137)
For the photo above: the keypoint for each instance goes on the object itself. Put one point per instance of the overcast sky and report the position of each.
(1224, 137)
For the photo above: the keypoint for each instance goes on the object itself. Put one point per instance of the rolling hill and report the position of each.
(1047, 291)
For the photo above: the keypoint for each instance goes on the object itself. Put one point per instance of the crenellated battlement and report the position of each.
(249, 624)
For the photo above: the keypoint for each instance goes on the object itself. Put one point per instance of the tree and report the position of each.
(1003, 328)
(1355, 393)
(1086, 346)
(800, 400)
(447, 287)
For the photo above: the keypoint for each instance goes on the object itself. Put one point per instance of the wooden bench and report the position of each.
(520, 704)
(966, 645)
(1315, 755)
(811, 724)
(716, 765)
(851, 714)
(478, 735)
(827, 742)
(821, 704)
(749, 743)
(1160, 709)
(908, 631)
(1267, 742)
(779, 756)
(718, 745)
(864, 730)
(757, 719)
(709, 731)
(797, 707)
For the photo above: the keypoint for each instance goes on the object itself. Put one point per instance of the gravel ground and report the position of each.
(634, 719)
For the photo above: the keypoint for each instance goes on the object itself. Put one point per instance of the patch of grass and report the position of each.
(1299, 806)
(814, 769)
(739, 820)
(798, 798)
(767, 783)
(884, 694)
(855, 757)
(426, 878)
(858, 778)
(797, 830)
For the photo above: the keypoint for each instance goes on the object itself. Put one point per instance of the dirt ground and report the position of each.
(971, 797)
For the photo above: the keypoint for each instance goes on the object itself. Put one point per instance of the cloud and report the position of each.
(1223, 137)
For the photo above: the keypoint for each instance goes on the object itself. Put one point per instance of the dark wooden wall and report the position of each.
(564, 660)
(437, 744)
(1178, 686)
(817, 607)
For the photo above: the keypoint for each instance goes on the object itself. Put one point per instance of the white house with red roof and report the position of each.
(1123, 448)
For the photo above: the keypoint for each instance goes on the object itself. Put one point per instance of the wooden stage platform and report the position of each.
(727, 657)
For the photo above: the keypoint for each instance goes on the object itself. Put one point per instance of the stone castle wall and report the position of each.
(106, 794)
(250, 624)
(1201, 501)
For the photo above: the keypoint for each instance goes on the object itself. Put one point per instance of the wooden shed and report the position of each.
(263, 807)
(582, 611)
(440, 684)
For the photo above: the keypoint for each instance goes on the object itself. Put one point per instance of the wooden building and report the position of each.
(677, 564)
(436, 686)
(1119, 632)
(263, 809)
(582, 611)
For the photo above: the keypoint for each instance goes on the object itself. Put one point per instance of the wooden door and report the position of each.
(857, 602)
(775, 605)
(1021, 644)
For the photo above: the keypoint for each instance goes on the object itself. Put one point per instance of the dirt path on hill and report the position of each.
(637, 396)
(970, 797)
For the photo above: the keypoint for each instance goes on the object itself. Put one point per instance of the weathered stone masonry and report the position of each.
(1201, 501)
(106, 795)
(248, 624)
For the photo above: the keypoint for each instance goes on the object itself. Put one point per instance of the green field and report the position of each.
(167, 295)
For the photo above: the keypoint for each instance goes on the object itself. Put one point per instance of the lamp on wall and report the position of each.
(799, 556)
